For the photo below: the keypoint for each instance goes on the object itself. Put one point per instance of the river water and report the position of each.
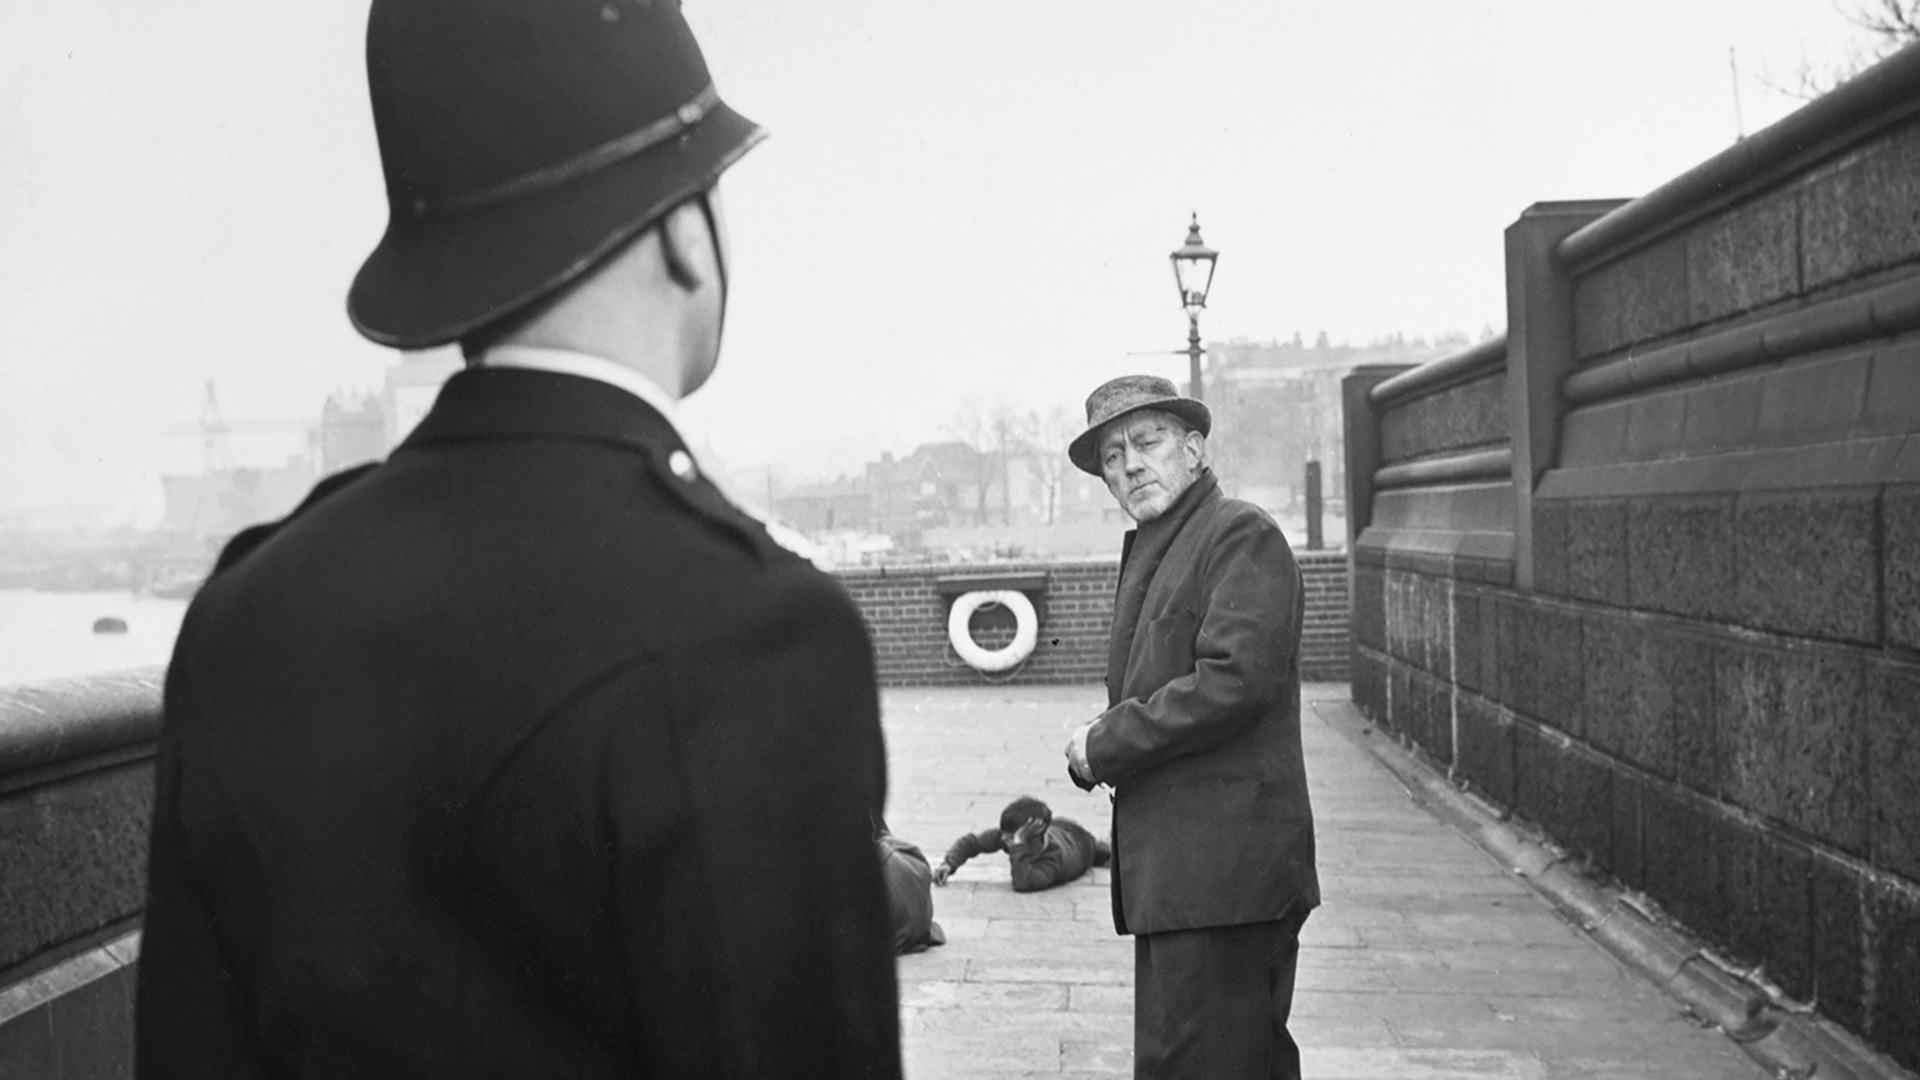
(49, 635)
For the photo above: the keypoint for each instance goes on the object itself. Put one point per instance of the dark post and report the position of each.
(1314, 541)
(1195, 390)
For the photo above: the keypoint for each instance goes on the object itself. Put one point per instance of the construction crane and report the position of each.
(214, 431)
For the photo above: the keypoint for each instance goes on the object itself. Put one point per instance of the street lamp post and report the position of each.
(1193, 272)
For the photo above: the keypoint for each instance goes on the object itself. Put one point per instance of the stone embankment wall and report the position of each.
(1646, 570)
(76, 793)
(906, 610)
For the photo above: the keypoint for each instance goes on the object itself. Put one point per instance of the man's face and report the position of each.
(1148, 459)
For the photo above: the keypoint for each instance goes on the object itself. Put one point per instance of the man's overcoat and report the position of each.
(522, 754)
(1201, 739)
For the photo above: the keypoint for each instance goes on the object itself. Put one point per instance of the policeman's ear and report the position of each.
(686, 243)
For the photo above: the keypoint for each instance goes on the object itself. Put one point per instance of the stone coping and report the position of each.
(1856, 110)
(49, 728)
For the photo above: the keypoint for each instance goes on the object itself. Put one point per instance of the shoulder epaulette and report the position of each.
(680, 478)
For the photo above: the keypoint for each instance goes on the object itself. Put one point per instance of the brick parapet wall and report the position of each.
(1325, 637)
(907, 616)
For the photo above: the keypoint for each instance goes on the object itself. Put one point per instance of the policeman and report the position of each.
(525, 753)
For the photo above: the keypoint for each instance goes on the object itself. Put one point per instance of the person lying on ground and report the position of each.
(1042, 850)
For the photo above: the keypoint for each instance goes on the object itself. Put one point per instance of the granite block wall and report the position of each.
(1703, 668)
(1761, 787)
(76, 794)
(72, 859)
(1819, 230)
(1467, 415)
(1715, 696)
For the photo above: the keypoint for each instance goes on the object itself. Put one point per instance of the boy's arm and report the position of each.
(983, 842)
(1040, 865)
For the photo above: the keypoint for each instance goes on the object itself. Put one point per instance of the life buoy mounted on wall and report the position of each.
(1026, 629)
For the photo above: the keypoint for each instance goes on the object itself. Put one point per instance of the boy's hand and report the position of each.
(940, 873)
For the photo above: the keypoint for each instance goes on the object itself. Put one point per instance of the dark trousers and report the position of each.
(1213, 1003)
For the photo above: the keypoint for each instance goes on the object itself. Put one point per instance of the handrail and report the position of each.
(1434, 374)
(1879, 97)
(1494, 464)
(45, 726)
(1890, 309)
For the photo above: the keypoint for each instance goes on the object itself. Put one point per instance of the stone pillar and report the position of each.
(1362, 441)
(1539, 352)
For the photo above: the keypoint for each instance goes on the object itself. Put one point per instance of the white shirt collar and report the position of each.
(587, 366)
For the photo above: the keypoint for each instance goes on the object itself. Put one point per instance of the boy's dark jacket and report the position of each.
(523, 754)
(1062, 855)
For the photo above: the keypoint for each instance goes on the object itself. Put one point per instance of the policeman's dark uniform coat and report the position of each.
(523, 753)
(520, 755)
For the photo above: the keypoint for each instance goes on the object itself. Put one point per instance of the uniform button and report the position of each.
(682, 465)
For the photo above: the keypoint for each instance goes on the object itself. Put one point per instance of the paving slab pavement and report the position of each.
(1427, 958)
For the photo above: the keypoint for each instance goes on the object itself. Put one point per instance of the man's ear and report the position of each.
(1196, 446)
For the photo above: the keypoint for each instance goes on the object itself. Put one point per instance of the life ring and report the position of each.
(1026, 629)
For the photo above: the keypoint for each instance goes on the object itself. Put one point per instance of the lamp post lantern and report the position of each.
(1193, 272)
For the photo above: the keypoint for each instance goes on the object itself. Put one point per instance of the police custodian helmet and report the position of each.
(522, 141)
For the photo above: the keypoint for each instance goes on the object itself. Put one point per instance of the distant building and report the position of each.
(353, 431)
(944, 483)
(214, 505)
(411, 387)
(1276, 406)
(838, 506)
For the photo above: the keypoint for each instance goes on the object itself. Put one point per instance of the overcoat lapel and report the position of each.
(1140, 556)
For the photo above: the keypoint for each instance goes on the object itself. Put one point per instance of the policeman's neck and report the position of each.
(632, 311)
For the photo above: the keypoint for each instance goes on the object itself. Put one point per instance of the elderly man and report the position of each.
(1212, 833)
(525, 753)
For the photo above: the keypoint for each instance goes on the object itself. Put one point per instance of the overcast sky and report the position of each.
(960, 201)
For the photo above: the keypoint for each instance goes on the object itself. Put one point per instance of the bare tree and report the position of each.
(997, 433)
(1048, 436)
(1887, 27)
(1894, 22)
